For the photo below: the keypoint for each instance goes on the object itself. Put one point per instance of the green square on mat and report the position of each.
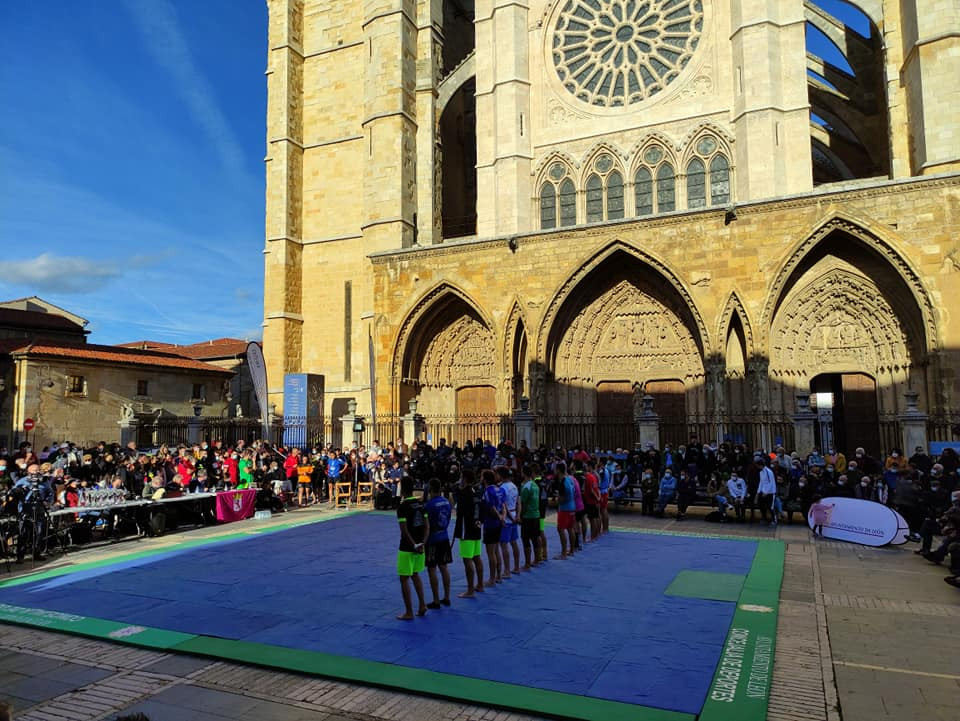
(706, 584)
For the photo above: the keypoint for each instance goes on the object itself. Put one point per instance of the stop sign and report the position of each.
(28, 424)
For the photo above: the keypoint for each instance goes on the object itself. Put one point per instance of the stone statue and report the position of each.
(239, 411)
(126, 412)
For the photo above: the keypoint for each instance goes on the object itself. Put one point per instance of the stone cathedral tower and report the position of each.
(722, 204)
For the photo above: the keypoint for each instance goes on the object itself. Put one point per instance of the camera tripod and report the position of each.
(36, 517)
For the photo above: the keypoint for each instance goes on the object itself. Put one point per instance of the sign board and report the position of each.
(28, 424)
(302, 406)
(258, 373)
(856, 521)
(938, 447)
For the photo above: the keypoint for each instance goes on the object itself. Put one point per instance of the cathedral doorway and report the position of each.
(847, 414)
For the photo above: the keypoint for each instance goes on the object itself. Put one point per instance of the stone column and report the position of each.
(913, 425)
(524, 421)
(647, 421)
(804, 425)
(283, 249)
(194, 429)
(429, 60)
(128, 430)
(347, 422)
(414, 426)
(504, 152)
(770, 104)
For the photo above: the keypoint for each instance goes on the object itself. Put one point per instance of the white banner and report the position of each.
(857, 521)
(258, 372)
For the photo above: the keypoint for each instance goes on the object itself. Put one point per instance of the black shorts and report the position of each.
(438, 554)
(530, 529)
(593, 511)
(491, 535)
(580, 515)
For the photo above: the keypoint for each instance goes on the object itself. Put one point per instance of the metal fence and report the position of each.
(588, 432)
(607, 433)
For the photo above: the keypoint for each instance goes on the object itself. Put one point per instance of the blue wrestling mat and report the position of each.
(637, 626)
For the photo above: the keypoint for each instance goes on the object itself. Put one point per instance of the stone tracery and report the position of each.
(626, 330)
(834, 322)
(612, 53)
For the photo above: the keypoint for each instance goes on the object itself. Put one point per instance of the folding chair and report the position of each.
(365, 493)
(342, 490)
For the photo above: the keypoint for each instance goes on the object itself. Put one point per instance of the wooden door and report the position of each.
(615, 400)
(670, 404)
(860, 421)
(476, 401)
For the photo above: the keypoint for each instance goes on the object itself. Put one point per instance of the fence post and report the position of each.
(413, 424)
(128, 430)
(647, 422)
(913, 425)
(523, 421)
(804, 426)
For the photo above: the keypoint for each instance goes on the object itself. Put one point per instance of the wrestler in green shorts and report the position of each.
(409, 563)
(469, 549)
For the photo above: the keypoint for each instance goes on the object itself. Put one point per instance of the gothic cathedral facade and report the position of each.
(724, 205)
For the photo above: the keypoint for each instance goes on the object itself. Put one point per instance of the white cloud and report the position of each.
(58, 274)
(166, 42)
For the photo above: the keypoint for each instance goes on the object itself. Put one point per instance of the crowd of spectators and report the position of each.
(734, 483)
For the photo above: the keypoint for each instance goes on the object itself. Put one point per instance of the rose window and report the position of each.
(612, 53)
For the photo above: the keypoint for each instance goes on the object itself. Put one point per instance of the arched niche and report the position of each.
(623, 318)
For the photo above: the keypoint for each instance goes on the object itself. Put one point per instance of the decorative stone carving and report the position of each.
(461, 354)
(626, 330)
(559, 114)
(836, 321)
(613, 53)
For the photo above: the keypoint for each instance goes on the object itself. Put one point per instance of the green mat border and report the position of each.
(760, 588)
(740, 690)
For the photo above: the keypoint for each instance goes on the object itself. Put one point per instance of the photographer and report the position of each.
(32, 492)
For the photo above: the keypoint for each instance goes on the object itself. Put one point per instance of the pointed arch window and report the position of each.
(719, 180)
(666, 188)
(558, 198)
(614, 196)
(696, 184)
(604, 190)
(708, 174)
(568, 203)
(548, 206)
(594, 199)
(643, 191)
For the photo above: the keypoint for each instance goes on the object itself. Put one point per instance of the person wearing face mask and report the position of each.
(649, 488)
(805, 493)
(842, 488)
(881, 493)
(906, 500)
(895, 461)
(948, 525)
(737, 494)
(934, 502)
(863, 490)
(836, 459)
(667, 491)
(868, 464)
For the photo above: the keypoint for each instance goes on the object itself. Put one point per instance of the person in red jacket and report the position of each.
(290, 464)
(231, 465)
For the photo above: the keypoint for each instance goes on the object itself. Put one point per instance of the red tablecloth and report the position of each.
(236, 505)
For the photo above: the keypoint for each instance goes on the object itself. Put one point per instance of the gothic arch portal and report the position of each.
(446, 344)
(622, 318)
(516, 356)
(865, 246)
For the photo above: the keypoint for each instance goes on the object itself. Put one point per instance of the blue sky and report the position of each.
(131, 163)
